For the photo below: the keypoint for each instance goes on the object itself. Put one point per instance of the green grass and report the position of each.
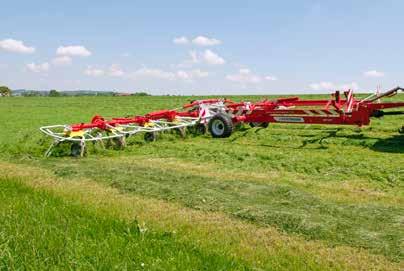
(333, 184)
(372, 226)
(42, 232)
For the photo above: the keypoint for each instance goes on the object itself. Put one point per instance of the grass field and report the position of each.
(288, 197)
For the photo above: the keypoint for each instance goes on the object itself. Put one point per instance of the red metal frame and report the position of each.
(169, 115)
(349, 111)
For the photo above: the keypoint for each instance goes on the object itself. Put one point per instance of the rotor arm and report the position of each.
(389, 93)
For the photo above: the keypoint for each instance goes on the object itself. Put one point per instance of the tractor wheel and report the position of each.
(259, 124)
(76, 150)
(220, 126)
(150, 137)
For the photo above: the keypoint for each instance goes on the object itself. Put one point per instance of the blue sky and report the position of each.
(202, 47)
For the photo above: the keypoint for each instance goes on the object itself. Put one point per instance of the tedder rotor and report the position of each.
(114, 131)
(220, 116)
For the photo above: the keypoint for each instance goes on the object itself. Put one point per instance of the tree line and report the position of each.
(6, 92)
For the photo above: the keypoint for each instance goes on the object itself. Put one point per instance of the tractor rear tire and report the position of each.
(220, 126)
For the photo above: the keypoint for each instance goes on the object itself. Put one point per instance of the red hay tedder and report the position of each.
(220, 116)
(337, 111)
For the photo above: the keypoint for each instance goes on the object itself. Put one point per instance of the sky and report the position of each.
(202, 47)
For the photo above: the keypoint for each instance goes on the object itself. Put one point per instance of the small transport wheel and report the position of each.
(401, 130)
(77, 150)
(259, 124)
(220, 126)
(150, 136)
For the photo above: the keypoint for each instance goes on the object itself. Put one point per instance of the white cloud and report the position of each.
(244, 76)
(74, 50)
(194, 56)
(193, 59)
(153, 73)
(352, 85)
(94, 72)
(322, 86)
(212, 58)
(62, 61)
(270, 78)
(16, 46)
(207, 57)
(199, 73)
(373, 73)
(328, 86)
(205, 41)
(199, 40)
(116, 71)
(191, 75)
(185, 75)
(44, 67)
(181, 40)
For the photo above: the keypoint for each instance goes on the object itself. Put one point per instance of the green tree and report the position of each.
(5, 91)
(143, 93)
(31, 93)
(54, 93)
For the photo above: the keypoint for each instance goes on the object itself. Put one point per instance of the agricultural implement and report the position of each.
(114, 131)
(335, 111)
(220, 117)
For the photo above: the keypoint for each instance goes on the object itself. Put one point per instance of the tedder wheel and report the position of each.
(199, 129)
(76, 149)
(181, 132)
(259, 124)
(220, 126)
(150, 136)
(119, 143)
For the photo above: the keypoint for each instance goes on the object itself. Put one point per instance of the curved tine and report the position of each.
(50, 149)
(82, 146)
